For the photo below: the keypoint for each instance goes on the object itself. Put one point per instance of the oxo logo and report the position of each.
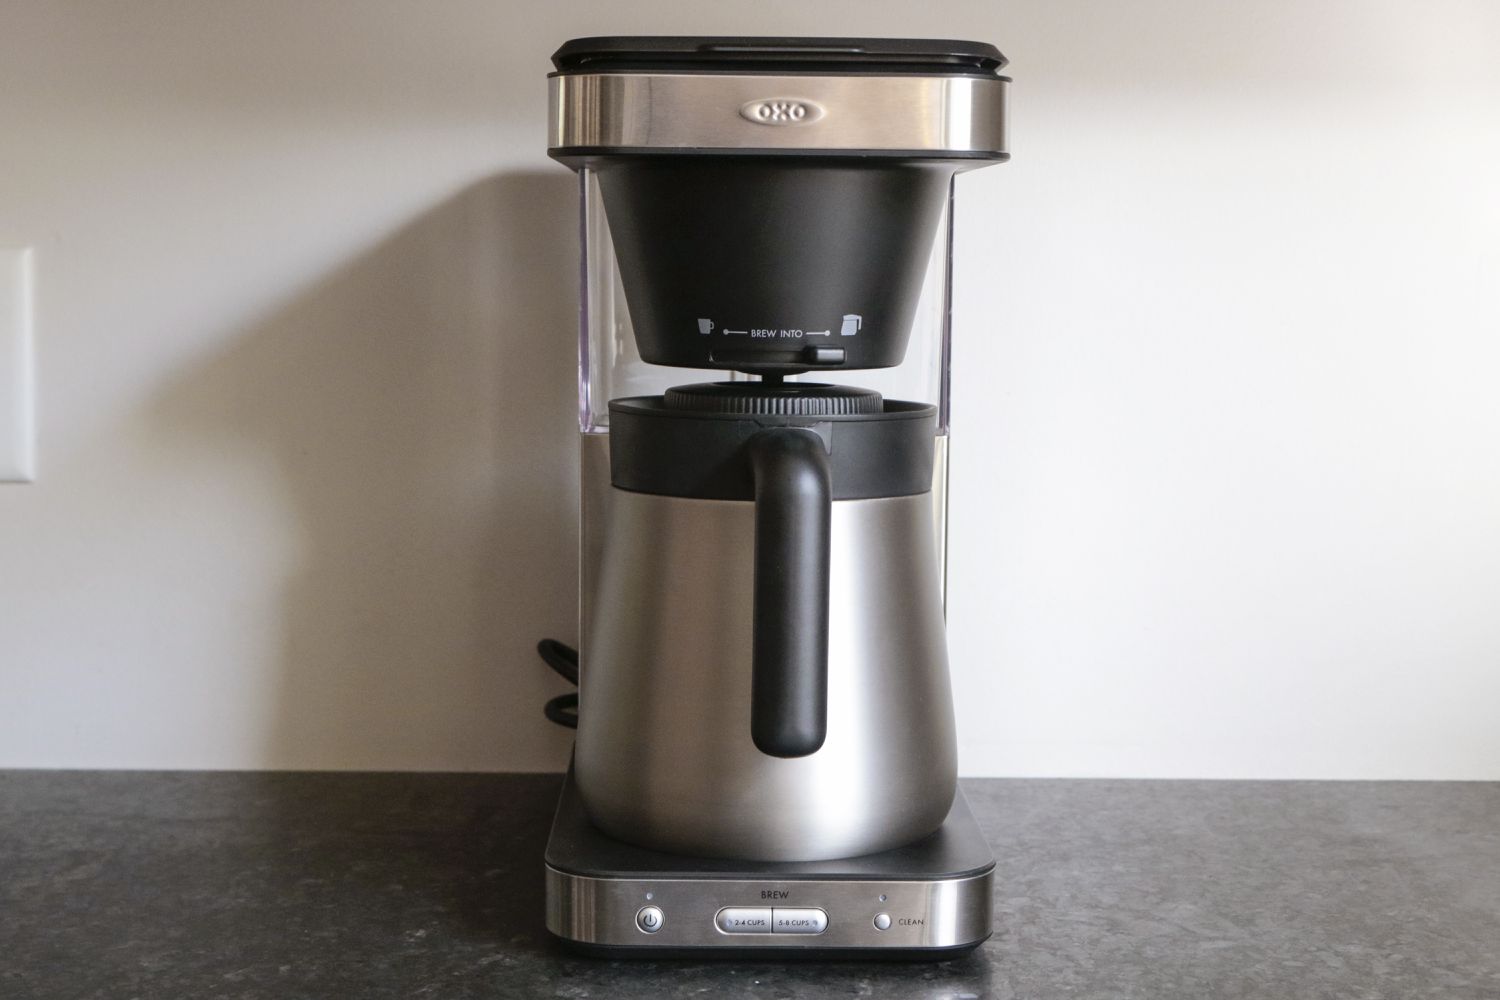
(781, 111)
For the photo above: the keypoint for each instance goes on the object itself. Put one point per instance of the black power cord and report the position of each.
(563, 709)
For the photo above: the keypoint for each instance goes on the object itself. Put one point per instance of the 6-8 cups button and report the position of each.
(649, 919)
(798, 920)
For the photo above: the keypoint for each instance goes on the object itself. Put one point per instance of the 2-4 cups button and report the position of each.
(744, 920)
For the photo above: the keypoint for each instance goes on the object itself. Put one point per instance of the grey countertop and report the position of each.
(176, 885)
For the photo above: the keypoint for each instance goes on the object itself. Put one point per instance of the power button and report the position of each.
(649, 919)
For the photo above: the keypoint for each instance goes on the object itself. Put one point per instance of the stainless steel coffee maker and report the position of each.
(764, 710)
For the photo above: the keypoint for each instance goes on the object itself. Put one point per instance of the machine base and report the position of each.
(929, 900)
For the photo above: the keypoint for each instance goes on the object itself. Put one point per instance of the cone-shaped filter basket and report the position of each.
(773, 264)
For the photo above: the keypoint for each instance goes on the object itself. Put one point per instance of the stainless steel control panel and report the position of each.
(737, 913)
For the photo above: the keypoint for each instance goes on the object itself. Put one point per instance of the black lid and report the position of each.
(762, 398)
(656, 448)
(696, 53)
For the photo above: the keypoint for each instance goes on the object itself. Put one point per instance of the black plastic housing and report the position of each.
(756, 263)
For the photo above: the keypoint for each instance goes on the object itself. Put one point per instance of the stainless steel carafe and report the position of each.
(763, 666)
(766, 676)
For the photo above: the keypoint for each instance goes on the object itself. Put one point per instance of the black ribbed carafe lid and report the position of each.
(785, 399)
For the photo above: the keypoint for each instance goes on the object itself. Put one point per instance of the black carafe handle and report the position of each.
(789, 648)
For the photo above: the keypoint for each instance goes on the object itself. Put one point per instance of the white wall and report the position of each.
(1227, 480)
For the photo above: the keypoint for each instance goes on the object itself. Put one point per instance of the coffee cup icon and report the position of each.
(852, 323)
(705, 326)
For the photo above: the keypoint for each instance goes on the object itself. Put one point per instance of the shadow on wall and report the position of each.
(418, 407)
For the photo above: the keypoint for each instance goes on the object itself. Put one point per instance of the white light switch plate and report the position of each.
(17, 375)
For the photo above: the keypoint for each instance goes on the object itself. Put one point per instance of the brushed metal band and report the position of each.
(935, 913)
(958, 116)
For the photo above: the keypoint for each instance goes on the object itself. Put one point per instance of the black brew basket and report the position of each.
(773, 265)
